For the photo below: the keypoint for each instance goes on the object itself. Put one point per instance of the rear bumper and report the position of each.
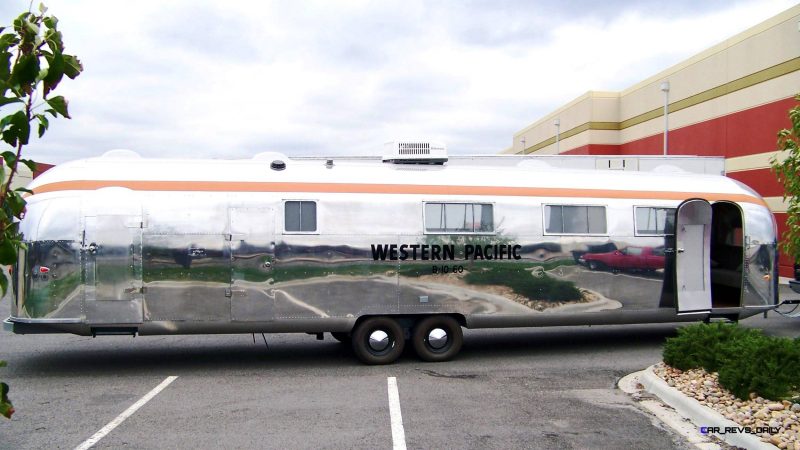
(40, 326)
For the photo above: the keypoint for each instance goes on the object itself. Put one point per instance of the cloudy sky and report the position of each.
(229, 79)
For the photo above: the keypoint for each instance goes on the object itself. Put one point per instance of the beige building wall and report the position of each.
(729, 100)
(21, 179)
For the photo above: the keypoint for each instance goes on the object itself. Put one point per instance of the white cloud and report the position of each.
(230, 79)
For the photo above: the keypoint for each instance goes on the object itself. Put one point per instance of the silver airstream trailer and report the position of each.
(381, 252)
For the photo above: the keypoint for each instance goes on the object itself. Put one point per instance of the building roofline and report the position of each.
(557, 112)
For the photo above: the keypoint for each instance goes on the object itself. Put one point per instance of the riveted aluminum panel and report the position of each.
(49, 283)
(252, 258)
(113, 277)
(332, 276)
(186, 277)
(760, 253)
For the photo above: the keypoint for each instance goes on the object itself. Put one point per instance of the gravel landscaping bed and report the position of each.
(757, 412)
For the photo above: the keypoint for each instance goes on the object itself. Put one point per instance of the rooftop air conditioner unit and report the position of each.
(414, 152)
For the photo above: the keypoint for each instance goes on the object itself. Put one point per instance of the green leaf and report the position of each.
(20, 121)
(40, 76)
(54, 40)
(25, 71)
(3, 364)
(5, 70)
(19, 22)
(42, 8)
(7, 40)
(17, 205)
(9, 100)
(31, 27)
(59, 104)
(5, 121)
(9, 157)
(50, 22)
(6, 408)
(8, 253)
(72, 66)
(24, 190)
(55, 71)
(30, 164)
(19, 129)
(44, 124)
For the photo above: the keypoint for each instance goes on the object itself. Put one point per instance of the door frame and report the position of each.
(127, 310)
(693, 283)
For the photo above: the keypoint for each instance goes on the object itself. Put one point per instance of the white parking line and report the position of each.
(127, 413)
(398, 433)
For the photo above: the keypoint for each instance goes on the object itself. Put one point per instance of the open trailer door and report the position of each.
(693, 257)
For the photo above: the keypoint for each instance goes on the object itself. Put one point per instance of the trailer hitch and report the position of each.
(793, 313)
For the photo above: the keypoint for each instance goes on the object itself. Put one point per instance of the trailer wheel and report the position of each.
(378, 340)
(437, 338)
(340, 336)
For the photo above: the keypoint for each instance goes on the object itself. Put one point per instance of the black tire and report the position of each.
(594, 265)
(370, 355)
(435, 353)
(341, 336)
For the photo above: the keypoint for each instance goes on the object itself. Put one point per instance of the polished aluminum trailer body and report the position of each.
(121, 244)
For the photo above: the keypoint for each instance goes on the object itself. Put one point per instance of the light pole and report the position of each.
(557, 123)
(665, 90)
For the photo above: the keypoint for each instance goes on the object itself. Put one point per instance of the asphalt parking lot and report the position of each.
(532, 388)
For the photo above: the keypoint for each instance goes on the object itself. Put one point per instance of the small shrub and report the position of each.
(767, 366)
(746, 359)
(704, 345)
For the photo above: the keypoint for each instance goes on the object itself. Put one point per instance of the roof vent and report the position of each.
(120, 153)
(277, 165)
(414, 152)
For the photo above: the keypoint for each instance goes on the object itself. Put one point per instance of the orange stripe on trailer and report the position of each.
(369, 188)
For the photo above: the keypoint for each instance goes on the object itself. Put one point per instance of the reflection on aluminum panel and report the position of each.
(327, 280)
(187, 277)
(54, 288)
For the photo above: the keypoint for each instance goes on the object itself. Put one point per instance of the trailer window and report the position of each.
(654, 221)
(459, 218)
(300, 216)
(567, 219)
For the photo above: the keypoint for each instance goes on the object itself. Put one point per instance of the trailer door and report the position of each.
(692, 260)
(252, 256)
(112, 252)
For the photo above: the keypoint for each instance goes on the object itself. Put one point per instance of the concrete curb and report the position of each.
(697, 413)
(667, 415)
